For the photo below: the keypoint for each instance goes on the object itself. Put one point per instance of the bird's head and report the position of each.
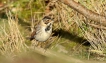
(47, 21)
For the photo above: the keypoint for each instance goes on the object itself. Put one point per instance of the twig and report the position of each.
(5, 6)
(86, 12)
(98, 26)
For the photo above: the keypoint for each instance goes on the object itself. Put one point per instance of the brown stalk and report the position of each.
(97, 26)
(86, 12)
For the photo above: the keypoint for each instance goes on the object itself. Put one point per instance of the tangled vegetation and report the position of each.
(75, 38)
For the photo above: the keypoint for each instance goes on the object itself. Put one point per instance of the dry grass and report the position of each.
(95, 35)
(13, 42)
(71, 20)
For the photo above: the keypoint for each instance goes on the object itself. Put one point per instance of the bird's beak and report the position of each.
(52, 21)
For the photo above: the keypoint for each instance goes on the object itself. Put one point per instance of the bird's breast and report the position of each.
(42, 35)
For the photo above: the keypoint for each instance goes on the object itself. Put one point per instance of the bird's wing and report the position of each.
(38, 28)
(36, 31)
(32, 35)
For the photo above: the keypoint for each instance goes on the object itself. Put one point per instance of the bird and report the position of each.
(43, 30)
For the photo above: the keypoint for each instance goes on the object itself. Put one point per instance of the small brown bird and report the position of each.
(43, 30)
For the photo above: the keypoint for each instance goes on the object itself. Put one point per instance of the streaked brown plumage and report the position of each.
(43, 30)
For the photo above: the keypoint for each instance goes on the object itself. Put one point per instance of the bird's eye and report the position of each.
(46, 21)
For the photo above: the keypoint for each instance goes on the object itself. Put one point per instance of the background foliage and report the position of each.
(74, 36)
